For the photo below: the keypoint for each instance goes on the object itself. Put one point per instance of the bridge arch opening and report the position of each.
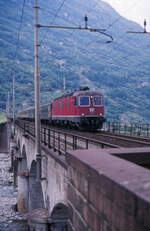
(36, 199)
(59, 218)
(60, 211)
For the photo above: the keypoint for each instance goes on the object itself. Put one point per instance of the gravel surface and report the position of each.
(9, 218)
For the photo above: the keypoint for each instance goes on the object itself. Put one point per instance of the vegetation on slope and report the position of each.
(120, 69)
(2, 118)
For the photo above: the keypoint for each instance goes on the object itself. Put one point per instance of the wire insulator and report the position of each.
(145, 25)
(86, 20)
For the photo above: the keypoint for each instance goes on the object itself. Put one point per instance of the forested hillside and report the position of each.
(119, 69)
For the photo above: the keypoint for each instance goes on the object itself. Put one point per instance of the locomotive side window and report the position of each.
(97, 101)
(84, 101)
(55, 106)
(76, 101)
(67, 103)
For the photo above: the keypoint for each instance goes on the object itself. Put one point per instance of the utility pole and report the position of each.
(37, 94)
(13, 105)
(7, 109)
(7, 114)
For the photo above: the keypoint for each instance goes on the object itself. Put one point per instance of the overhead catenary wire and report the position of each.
(64, 19)
(55, 16)
(86, 14)
(51, 13)
(81, 28)
(15, 56)
(142, 32)
(115, 21)
(58, 11)
(116, 45)
(20, 27)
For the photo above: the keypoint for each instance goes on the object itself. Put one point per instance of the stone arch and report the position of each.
(36, 199)
(59, 218)
(23, 183)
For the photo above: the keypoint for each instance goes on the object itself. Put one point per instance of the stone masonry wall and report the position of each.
(106, 193)
(3, 138)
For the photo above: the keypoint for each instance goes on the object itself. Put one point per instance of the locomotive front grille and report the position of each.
(92, 122)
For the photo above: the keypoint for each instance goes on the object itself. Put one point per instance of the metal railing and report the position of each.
(61, 141)
(132, 129)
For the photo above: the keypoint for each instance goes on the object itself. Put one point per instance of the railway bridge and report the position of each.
(90, 189)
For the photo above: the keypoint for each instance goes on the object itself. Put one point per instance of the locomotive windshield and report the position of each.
(97, 100)
(84, 101)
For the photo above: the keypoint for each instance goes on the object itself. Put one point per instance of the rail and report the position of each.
(61, 141)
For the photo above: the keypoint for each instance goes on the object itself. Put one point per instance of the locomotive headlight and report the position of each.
(82, 114)
(100, 114)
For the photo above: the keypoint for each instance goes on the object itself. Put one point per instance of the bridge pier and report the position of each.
(15, 156)
(36, 198)
(4, 138)
(23, 192)
(38, 220)
(13, 147)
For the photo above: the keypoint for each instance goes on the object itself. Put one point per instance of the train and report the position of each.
(83, 109)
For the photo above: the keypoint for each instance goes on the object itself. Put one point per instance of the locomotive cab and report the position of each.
(91, 110)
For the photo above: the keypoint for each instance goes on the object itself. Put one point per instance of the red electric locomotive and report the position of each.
(83, 109)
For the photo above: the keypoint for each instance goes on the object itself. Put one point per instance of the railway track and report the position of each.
(125, 140)
(117, 140)
(122, 140)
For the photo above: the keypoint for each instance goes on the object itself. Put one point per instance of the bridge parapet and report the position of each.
(107, 193)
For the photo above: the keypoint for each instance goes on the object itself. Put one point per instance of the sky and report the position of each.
(136, 10)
